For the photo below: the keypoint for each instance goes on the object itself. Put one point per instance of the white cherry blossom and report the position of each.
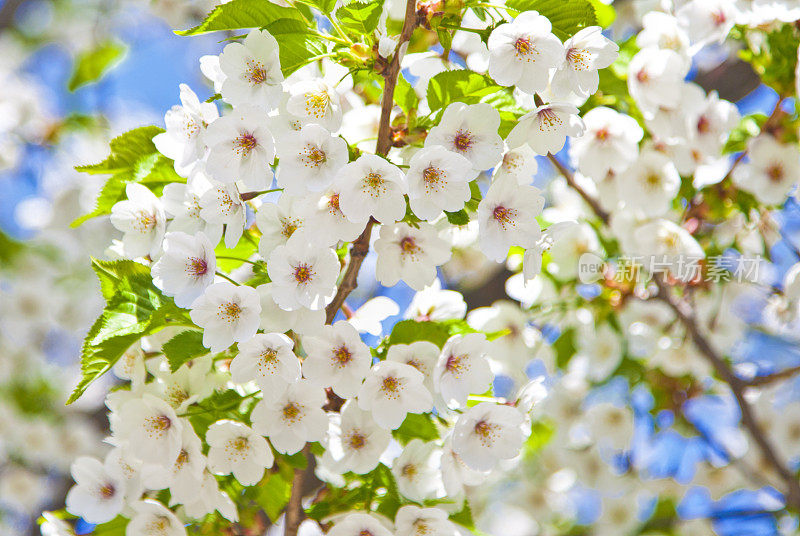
(337, 358)
(142, 220)
(586, 52)
(655, 77)
(186, 268)
(487, 433)
(99, 492)
(358, 443)
(227, 313)
(222, 205)
(150, 429)
(519, 163)
(415, 470)
(278, 222)
(236, 449)
(371, 186)
(267, 359)
(359, 524)
(610, 143)
(471, 131)
(241, 148)
(314, 101)
(649, 184)
(294, 418)
(438, 180)
(462, 368)
(184, 140)
(303, 274)
(391, 390)
(252, 71)
(412, 520)
(422, 355)
(546, 128)
(523, 52)
(151, 518)
(771, 171)
(507, 217)
(410, 254)
(324, 215)
(309, 159)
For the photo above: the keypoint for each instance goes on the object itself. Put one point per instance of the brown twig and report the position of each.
(781, 375)
(738, 386)
(591, 201)
(294, 508)
(360, 247)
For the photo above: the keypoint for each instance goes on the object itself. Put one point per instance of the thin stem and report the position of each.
(223, 276)
(250, 195)
(254, 263)
(591, 201)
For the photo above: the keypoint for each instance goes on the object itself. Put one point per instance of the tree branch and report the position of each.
(737, 385)
(591, 201)
(360, 247)
(781, 375)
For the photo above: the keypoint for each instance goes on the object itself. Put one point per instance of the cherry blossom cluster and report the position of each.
(279, 193)
(284, 349)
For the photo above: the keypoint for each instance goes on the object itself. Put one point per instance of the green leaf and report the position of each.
(360, 17)
(115, 527)
(134, 308)
(273, 494)
(464, 517)
(297, 44)
(748, 127)
(775, 58)
(458, 86)
(405, 96)
(408, 331)
(566, 16)
(605, 13)
(326, 6)
(126, 150)
(416, 426)
(91, 65)
(457, 218)
(183, 347)
(8, 248)
(133, 158)
(241, 14)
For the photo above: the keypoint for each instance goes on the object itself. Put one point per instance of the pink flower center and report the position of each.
(196, 266)
(462, 140)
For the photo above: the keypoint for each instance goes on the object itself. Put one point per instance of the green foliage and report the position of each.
(272, 494)
(361, 18)
(326, 6)
(457, 218)
(9, 248)
(133, 158)
(90, 65)
(408, 331)
(459, 86)
(241, 14)
(297, 43)
(416, 426)
(605, 13)
(775, 59)
(567, 16)
(134, 308)
(184, 347)
(405, 96)
(748, 127)
(245, 249)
